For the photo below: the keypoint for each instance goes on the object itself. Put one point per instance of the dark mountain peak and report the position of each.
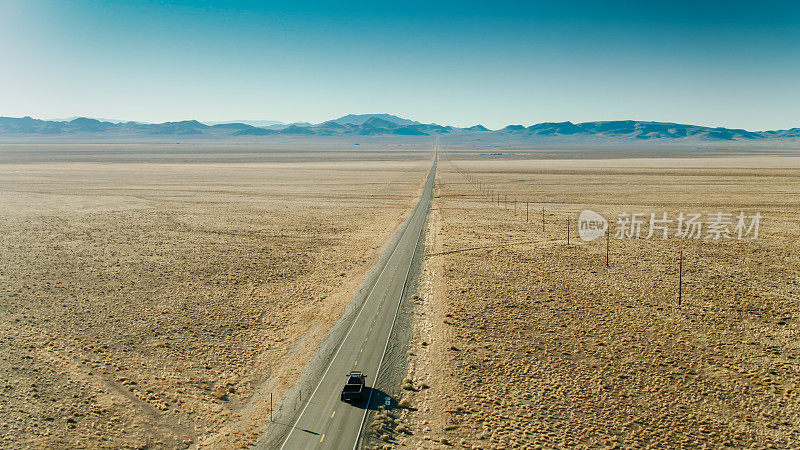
(331, 125)
(555, 128)
(360, 119)
(294, 129)
(28, 124)
(377, 122)
(478, 127)
(513, 128)
(182, 127)
(90, 125)
(792, 132)
(612, 126)
(188, 123)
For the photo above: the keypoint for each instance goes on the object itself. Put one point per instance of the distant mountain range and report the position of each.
(387, 124)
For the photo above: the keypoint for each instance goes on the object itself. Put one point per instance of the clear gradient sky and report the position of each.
(728, 63)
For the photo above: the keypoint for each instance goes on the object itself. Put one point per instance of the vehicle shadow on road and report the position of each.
(378, 398)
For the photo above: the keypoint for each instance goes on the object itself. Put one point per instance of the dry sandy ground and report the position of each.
(143, 304)
(527, 342)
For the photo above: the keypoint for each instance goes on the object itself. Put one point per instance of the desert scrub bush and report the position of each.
(220, 393)
(408, 385)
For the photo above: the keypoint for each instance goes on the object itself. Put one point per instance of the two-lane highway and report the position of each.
(325, 421)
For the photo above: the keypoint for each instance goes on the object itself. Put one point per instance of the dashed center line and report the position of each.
(396, 290)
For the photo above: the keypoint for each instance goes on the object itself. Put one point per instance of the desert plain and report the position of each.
(522, 340)
(156, 299)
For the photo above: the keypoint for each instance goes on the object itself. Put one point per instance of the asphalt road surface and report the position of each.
(325, 421)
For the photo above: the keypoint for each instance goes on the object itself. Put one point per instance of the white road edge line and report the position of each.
(330, 363)
(389, 336)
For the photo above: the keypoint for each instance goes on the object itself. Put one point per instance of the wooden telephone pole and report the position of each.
(680, 279)
(542, 219)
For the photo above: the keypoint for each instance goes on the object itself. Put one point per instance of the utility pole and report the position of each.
(526, 211)
(680, 279)
(542, 219)
(608, 239)
(567, 231)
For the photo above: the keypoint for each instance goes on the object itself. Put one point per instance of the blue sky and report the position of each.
(734, 64)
